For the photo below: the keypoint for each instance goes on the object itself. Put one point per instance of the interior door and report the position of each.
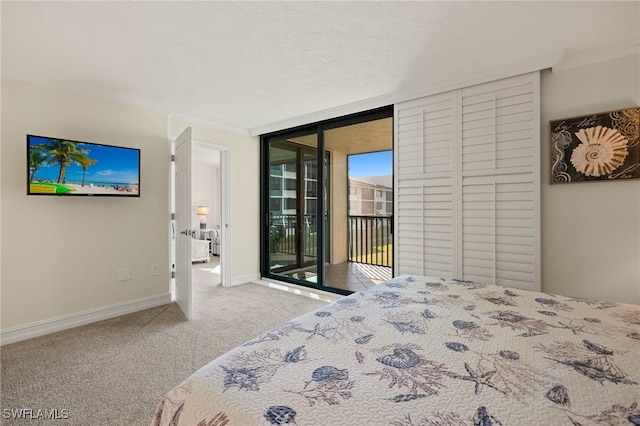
(183, 221)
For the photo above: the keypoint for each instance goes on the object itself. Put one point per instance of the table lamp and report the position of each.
(203, 211)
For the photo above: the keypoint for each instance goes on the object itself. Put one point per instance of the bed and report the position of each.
(427, 351)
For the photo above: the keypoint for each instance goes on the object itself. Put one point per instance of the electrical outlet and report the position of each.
(154, 269)
(124, 274)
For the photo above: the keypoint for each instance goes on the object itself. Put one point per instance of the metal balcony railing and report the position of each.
(283, 234)
(371, 240)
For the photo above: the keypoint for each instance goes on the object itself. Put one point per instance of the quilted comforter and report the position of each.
(427, 351)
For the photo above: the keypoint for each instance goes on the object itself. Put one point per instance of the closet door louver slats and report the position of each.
(426, 205)
(499, 164)
(468, 184)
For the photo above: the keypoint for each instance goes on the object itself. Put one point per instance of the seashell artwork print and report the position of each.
(328, 374)
(602, 146)
(428, 314)
(601, 152)
(240, 378)
(511, 355)
(483, 418)
(280, 414)
(407, 397)
(599, 349)
(364, 339)
(401, 358)
(559, 395)
(296, 355)
(458, 347)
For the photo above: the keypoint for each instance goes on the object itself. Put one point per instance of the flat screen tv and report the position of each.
(76, 168)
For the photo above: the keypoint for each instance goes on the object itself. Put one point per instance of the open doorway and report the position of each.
(206, 220)
(200, 224)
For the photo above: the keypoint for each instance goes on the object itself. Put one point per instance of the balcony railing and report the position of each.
(371, 240)
(283, 234)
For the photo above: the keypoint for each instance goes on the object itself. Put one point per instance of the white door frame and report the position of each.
(225, 213)
(225, 217)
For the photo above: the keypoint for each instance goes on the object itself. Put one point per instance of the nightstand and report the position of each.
(199, 250)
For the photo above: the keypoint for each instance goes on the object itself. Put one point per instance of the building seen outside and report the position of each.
(371, 196)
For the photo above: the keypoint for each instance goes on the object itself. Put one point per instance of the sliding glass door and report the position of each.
(305, 198)
(293, 192)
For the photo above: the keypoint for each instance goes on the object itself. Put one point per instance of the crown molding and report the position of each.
(579, 59)
(87, 92)
(557, 60)
(536, 63)
(120, 99)
(208, 123)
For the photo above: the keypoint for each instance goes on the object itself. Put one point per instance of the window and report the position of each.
(275, 184)
(275, 170)
(290, 184)
(276, 205)
(312, 189)
(291, 203)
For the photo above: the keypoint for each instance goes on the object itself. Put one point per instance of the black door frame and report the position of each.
(300, 151)
(318, 128)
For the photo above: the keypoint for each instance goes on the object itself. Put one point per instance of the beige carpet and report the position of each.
(115, 372)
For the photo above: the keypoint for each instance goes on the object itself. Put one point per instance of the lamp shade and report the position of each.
(202, 210)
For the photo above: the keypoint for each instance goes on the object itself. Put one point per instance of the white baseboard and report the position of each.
(41, 328)
(242, 280)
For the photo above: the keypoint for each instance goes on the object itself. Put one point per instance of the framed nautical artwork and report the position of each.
(603, 146)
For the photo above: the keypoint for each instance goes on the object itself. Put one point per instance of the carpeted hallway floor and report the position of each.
(115, 372)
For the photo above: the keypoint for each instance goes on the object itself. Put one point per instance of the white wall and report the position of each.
(204, 185)
(590, 231)
(60, 256)
(244, 203)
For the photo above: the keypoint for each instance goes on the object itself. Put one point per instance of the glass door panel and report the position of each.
(282, 209)
(292, 208)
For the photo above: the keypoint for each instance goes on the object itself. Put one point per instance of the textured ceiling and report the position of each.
(245, 65)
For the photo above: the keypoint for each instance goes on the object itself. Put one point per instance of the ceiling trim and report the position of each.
(597, 55)
(537, 63)
(120, 99)
(557, 60)
(210, 124)
(87, 92)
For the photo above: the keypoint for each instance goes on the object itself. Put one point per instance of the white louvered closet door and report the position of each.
(480, 217)
(427, 135)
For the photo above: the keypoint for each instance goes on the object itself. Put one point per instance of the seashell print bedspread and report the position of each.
(427, 351)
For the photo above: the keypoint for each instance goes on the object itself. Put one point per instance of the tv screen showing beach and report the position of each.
(66, 167)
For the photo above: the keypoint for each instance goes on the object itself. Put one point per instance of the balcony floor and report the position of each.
(350, 276)
(356, 276)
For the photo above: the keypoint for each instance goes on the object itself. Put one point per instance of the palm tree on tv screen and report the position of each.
(63, 153)
(36, 158)
(84, 162)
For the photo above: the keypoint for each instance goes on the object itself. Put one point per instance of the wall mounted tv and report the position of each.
(74, 168)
